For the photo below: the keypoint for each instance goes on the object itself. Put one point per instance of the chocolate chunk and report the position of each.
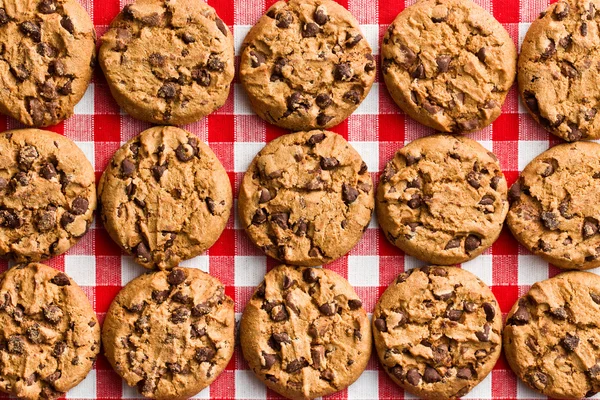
(66, 219)
(472, 242)
(349, 194)
(418, 72)
(487, 200)
(205, 354)
(490, 311)
(431, 375)
(413, 377)
(180, 315)
(464, 373)
(296, 365)
(199, 310)
(142, 252)
(443, 63)
(570, 342)
(520, 317)
(188, 38)
(159, 296)
(549, 220)
(454, 315)
(221, 26)
(128, 167)
(61, 279)
(279, 313)
(320, 16)
(353, 96)
(20, 72)
(590, 114)
(53, 314)
(473, 179)
(168, 91)
(566, 41)
(561, 11)
(16, 345)
(257, 58)
(328, 309)
(552, 166)
(327, 375)
(323, 119)
(363, 168)
(284, 19)
(309, 275)
(281, 219)
(265, 196)
(550, 50)
(575, 133)
(157, 60)
(3, 17)
(270, 359)
(260, 217)
(329, 163)
(343, 72)
(469, 306)
(316, 138)
(59, 348)
(301, 228)
(310, 30)
(559, 313)
(277, 74)
(176, 277)
(484, 336)
(201, 77)
(354, 304)
(590, 227)
(481, 54)
(10, 219)
(79, 206)
(415, 202)
(31, 30)
(323, 100)
(539, 380)
(381, 325)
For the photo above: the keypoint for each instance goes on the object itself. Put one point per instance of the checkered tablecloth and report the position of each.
(235, 134)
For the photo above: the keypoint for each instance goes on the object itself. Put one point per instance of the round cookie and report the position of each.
(448, 64)
(168, 62)
(554, 208)
(307, 198)
(171, 334)
(442, 199)
(306, 65)
(552, 336)
(305, 333)
(558, 78)
(165, 197)
(50, 334)
(47, 194)
(438, 331)
(47, 57)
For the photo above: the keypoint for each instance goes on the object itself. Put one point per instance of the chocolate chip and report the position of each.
(79, 206)
(566, 41)
(328, 309)
(297, 101)
(415, 202)
(323, 119)
(296, 365)
(310, 30)
(66, 219)
(270, 359)
(279, 313)
(464, 373)
(20, 72)
(353, 96)
(31, 30)
(349, 194)
(316, 138)
(520, 317)
(484, 336)
(570, 342)
(454, 315)
(413, 377)
(550, 50)
(418, 72)
(323, 100)
(59, 348)
(531, 102)
(281, 219)
(443, 63)
(16, 345)
(176, 277)
(159, 296)
(590, 227)
(353, 40)
(260, 217)
(473, 179)
(67, 24)
(265, 196)
(343, 72)
(431, 375)
(10, 219)
(490, 311)
(221, 26)
(559, 313)
(33, 334)
(354, 304)
(284, 19)
(549, 220)
(142, 252)
(452, 244)
(301, 228)
(201, 77)
(46, 220)
(198, 310)
(180, 315)
(539, 380)
(168, 91)
(277, 74)
(472, 242)
(329, 163)
(53, 314)
(205, 354)
(257, 58)
(156, 60)
(575, 133)
(3, 17)
(481, 54)
(320, 16)
(61, 279)
(309, 275)
(561, 11)
(381, 325)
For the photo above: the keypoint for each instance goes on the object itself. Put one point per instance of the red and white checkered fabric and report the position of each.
(235, 134)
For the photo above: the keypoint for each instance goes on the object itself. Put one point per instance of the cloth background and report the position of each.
(235, 134)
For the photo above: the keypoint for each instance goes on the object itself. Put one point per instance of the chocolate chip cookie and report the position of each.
(168, 62)
(558, 73)
(165, 197)
(306, 65)
(305, 333)
(47, 56)
(442, 199)
(552, 336)
(47, 194)
(170, 333)
(438, 331)
(448, 64)
(307, 198)
(554, 208)
(50, 334)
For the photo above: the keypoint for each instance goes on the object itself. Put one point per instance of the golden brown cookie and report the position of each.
(555, 211)
(50, 334)
(438, 331)
(448, 64)
(47, 194)
(47, 56)
(171, 334)
(168, 62)
(442, 199)
(306, 65)
(552, 336)
(305, 333)
(558, 76)
(307, 198)
(165, 197)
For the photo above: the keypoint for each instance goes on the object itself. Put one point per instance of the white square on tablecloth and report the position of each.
(249, 270)
(363, 270)
(525, 392)
(365, 387)
(523, 28)
(86, 389)
(245, 153)
(204, 394)
(82, 269)
(200, 262)
(370, 105)
(532, 269)
(129, 392)
(369, 152)
(371, 32)
(412, 262)
(247, 386)
(130, 270)
(241, 104)
(481, 391)
(239, 34)
(530, 149)
(481, 267)
(88, 148)
(86, 105)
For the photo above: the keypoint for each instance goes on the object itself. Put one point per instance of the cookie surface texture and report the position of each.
(306, 65)
(165, 197)
(47, 57)
(170, 333)
(551, 338)
(442, 199)
(555, 211)
(50, 333)
(438, 331)
(168, 62)
(448, 64)
(306, 198)
(558, 79)
(305, 333)
(47, 194)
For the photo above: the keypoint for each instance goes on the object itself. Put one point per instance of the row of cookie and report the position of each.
(304, 333)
